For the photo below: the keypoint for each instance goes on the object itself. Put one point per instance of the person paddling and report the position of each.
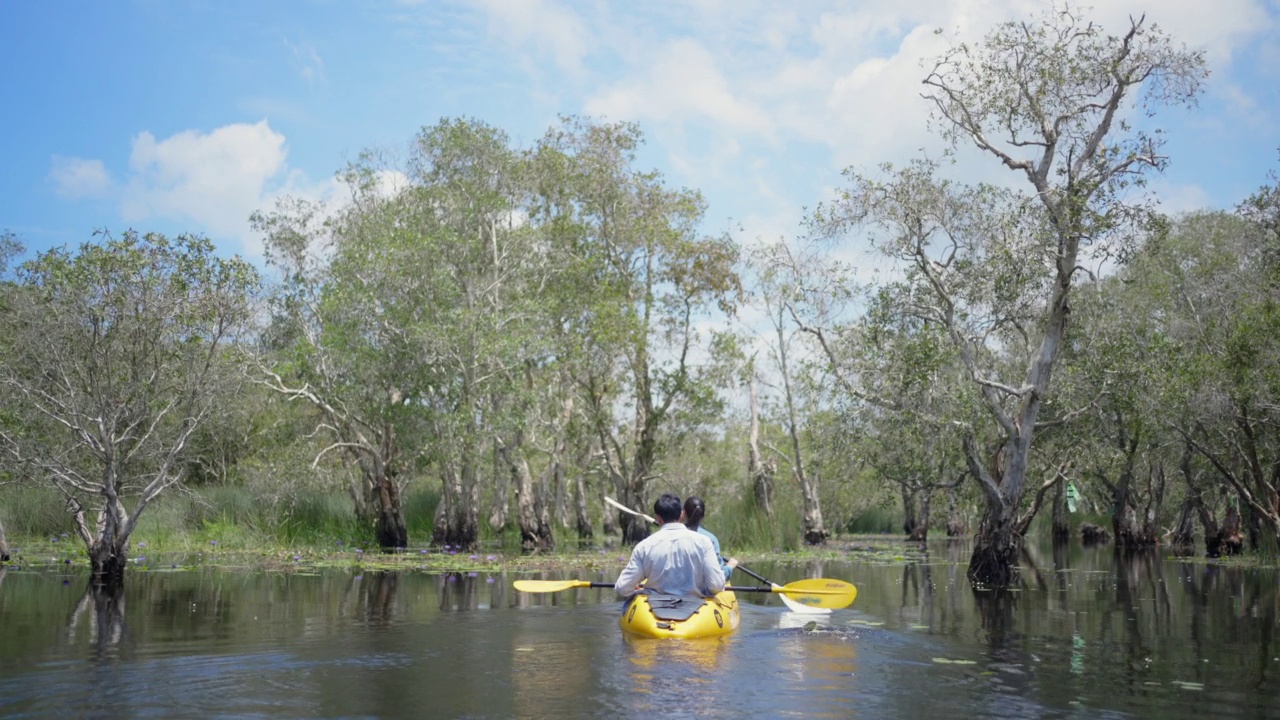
(694, 511)
(674, 560)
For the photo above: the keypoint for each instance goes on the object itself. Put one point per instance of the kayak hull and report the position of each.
(718, 616)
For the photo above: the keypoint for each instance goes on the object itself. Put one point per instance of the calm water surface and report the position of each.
(1088, 637)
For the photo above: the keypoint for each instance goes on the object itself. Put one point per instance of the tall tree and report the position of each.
(117, 357)
(649, 280)
(1051, 100)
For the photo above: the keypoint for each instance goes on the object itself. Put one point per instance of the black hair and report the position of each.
(694, 510)
(667, 508)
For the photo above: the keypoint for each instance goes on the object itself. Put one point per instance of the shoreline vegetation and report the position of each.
(62, 554)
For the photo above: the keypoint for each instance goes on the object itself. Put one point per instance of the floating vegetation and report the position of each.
(948, 661)
(1187, 685)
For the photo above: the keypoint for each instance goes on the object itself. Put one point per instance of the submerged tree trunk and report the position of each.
(1124, 525)
(955, 523)
(915, 520)
(1061, 519)
(390, 529)
(997, 543)
(108, 544)
(4, 545)
(457, 521)
(1183, 540)
(996, 548)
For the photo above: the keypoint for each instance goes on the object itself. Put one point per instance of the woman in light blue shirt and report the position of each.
(694, 510)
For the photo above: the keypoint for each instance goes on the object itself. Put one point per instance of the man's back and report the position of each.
(674, 560)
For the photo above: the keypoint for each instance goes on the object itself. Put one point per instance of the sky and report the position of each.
(188, 115)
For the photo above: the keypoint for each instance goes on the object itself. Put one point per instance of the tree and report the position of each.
(119, 353)
(784, 278)
(1050, 100)
(646, 279)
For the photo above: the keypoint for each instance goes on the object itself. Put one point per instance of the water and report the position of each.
(1087, 637)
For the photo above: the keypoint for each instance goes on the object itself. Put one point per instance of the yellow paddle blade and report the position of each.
(546, 586)
(820, 593)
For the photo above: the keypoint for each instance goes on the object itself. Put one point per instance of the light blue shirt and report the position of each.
(715, 543)
(674, 560)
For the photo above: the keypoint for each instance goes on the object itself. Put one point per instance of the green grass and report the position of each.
(876, 521)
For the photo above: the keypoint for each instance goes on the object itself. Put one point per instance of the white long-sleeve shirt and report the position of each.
(674, 560)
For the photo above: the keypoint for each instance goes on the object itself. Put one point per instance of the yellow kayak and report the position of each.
(656, 616)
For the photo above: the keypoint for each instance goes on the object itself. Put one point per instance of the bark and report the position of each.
(1229, 540)
(955, 523)
(501, 510)
(457, 518)
(1061, 517)
(759, 470)
(390, 529)
(1184, 532)
(560, 491)
(1124, 524)
(582, 517)
(915, 519)
(531, 514)
(815, 530)
(1149, 533)
(4, 545)
(610, 525)
(108, 546)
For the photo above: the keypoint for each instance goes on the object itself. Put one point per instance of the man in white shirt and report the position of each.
(675, 560)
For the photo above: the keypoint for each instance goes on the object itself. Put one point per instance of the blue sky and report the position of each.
(187, 116)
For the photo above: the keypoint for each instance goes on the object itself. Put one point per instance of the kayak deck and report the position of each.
(716, 616)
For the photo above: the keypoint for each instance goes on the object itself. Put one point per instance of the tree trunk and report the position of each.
(1061, 518)
(760, 471)
(915, 522)
(997, 544)
(610, 525)
(1124, 526)
(457, 519)
(4, 545)
(1148, 532)
(531, 515)
(501, 510)
(1230, 541)
(1184, 533)
(108, 547)
(909, 520)
(636, 490)
(558, 495)
(996, 548)
(815, 531)
(955, 523)
(581, 514)
(390, 529)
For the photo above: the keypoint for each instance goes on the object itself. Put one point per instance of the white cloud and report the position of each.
(308, 61)
(77, 178)
(542, 27)
(214, 181)
(683, 83)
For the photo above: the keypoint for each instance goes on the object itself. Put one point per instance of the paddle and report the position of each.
(626, 509)
(791, 604)
(814, 592)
